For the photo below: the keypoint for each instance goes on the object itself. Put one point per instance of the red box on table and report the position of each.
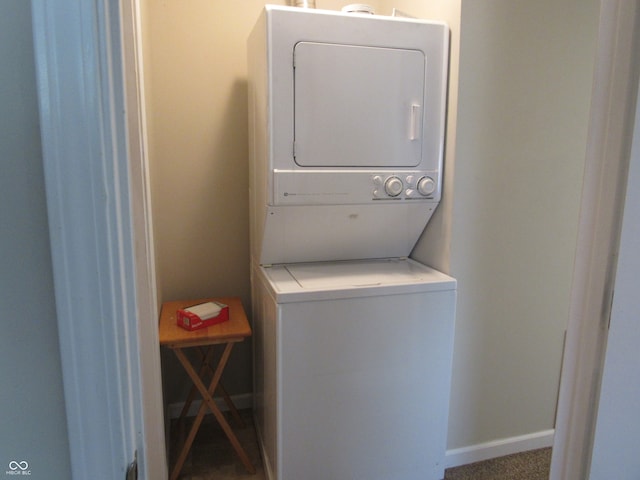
(202, 315)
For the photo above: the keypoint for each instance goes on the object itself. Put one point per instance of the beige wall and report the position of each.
(195, 70)
(525, 83)
(506, 227)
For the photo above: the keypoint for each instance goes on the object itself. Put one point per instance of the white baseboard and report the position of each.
(498, 448)
(241, 402)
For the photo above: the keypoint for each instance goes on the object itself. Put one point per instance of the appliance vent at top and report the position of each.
(358, 8)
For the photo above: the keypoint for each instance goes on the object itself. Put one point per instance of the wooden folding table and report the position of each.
(234, 330)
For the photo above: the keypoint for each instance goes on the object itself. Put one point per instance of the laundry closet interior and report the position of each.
(503, 225)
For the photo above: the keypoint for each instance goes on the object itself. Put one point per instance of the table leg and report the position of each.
(230, 405)
(204, 366)
(223, 391)
(208, 402)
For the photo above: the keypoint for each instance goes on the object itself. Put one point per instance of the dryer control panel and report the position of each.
(415, 185)
(295, 187)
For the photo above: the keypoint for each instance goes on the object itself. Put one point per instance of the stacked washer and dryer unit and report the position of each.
(352, 339)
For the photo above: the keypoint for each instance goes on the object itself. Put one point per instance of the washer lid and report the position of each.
(352, 279)
(367, 273)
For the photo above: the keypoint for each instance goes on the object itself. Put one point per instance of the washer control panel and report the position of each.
(398, 186)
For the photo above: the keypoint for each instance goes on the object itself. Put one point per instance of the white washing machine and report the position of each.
(352, 340)
(353, 369)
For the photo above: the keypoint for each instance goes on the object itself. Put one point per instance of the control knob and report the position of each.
(393, 186)
(426, 186)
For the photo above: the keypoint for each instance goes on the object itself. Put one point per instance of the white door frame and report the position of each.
(154, 465)
(606, 168)
(617, 431)
(92, 125)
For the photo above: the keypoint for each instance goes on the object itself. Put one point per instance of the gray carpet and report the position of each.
(213, 458)
(532, 465)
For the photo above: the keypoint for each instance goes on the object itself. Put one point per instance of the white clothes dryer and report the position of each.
(346, 133)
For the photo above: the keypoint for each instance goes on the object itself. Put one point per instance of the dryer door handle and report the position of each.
(414, 122)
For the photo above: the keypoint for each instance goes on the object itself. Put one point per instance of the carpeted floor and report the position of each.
(532, 465)
(213, 458)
